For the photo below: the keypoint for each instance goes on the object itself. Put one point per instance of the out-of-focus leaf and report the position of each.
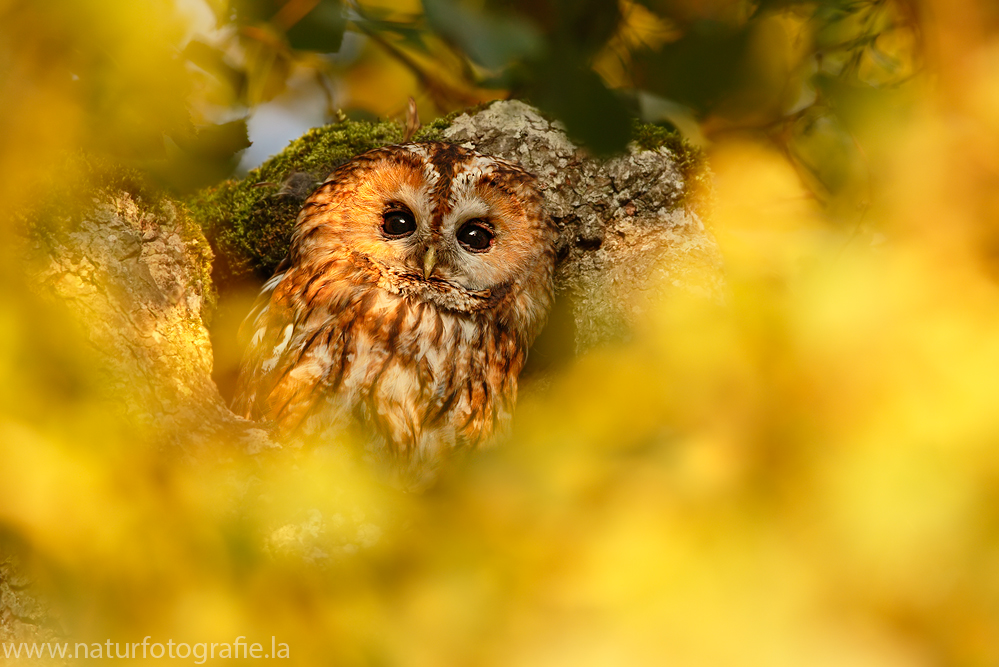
(220, 8)
(492, 40)
(212, 60)
(853, 102)
(408, 33)
(214, 141)
(699, 68)
(202, 156)
(777, 5)
(588, 24)
(841, 25)
(582, 26)
(592, 114)
(655, 109)
(825, 148)
(246, 12)
(686, 12)
(320, 30)
(267, 63)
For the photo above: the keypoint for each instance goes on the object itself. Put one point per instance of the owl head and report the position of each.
(440, 223)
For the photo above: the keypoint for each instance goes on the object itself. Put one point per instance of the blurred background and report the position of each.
(803, 475)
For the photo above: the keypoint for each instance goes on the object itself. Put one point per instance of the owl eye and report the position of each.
(398, 223)
(475, 236)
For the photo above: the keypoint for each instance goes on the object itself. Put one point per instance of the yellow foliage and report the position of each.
(800, 474)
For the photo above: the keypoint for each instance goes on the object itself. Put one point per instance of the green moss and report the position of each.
(434, 131)
(690, 159)
(651, 137)
(249, 221)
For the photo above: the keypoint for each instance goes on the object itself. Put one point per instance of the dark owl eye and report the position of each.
(475, 236)
(398, 223)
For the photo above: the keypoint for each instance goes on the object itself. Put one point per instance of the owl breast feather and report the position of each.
(335, 357)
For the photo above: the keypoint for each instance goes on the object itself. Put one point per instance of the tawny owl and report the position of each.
(417, 278)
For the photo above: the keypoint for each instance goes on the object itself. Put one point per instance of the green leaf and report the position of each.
(410, 35)
(593, 115)
(828, 152)
(700, 68)
(780, 5)
(491, 40)
(210, 144)
(201, 156)
(585, 26)
(581, 26)
(245, 12)
(320, 30)
(212, 60)
(222, 140)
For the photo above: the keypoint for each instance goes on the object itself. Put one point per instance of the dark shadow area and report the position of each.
(235, 299)
(555, 346)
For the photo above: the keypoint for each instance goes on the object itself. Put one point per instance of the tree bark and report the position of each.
(135, 276)
(629, 225)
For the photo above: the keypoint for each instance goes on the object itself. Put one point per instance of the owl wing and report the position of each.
(289, 358)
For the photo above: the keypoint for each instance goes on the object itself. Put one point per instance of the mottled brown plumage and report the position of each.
(418, 277)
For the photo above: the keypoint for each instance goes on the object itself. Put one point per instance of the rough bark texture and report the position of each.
(627, 227)
(137, 277)
(23, 613)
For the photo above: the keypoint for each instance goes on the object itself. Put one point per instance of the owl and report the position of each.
(418, 276)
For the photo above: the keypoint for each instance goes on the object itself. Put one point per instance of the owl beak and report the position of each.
(429, 262)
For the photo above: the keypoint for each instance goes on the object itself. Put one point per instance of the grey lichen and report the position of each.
(134, 268)
(627, 224)
(629, 228)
